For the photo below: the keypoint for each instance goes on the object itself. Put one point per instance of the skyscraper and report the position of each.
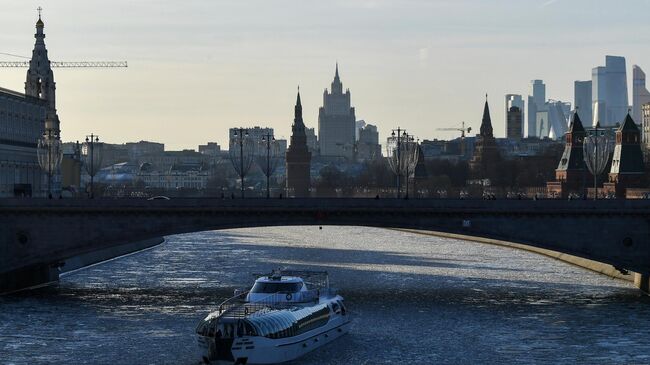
(298, 157)
(536, 105)
(609, 92)
(582, 99)
(640, 94)
(514, 123)
(336, 122)
(518, 101)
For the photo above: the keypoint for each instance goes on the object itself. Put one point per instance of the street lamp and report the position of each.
(596, 154)
(92, 155)
(50, 154)
(269, 163)
(399, 149)
(242, 157)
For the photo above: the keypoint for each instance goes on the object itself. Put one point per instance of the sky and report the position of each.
(199, 67)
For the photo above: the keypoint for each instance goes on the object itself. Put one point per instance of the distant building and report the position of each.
(516, 101)
(640, 97)
(254, 135)
(298, 157)
(211, 149)
(483, 164)
(609, 92)
(139, 149)
(514, 123)
(336, 122)
(368, 147)
(571, 173)
(627, 168)
(535, 105)
(645, 117)
(165, 160)
(582, 99)
(312, 141)
(177, 176)
(558, 114)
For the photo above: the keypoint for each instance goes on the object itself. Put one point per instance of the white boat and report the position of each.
(285, 315)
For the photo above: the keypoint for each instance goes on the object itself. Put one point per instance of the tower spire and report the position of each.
(486, 123)
(337, 86)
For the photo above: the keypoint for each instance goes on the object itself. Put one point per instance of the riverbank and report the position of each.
(591, 265)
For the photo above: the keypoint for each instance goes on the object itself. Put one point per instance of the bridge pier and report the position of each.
(28, 277)
(642, 281)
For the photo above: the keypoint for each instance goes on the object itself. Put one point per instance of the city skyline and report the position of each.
(254, 62)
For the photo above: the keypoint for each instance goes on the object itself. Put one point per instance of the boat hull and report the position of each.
(263, 350)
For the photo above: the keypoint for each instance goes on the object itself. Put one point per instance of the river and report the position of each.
(416, 299)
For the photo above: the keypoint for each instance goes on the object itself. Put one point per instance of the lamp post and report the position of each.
(397, 158)
(242, 161)
(596, 154)
(50, 154)
(92, 155)
(268, 163)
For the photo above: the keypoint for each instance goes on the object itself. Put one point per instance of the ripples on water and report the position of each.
(417, 300)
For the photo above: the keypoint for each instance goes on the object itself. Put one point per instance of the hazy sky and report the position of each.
(198, 67)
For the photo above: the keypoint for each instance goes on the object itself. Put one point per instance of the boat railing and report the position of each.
(237, 307)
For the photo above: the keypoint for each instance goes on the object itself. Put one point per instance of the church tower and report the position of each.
(298, 157)
(40, 78)
(486, 152)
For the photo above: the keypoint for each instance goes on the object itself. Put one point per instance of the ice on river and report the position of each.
(416, 299)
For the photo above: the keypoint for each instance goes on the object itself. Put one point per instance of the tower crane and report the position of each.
(77, 64)
(462, 131)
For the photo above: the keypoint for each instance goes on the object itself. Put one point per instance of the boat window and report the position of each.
(269, 288)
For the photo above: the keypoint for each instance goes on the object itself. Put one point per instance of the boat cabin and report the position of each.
(279, 289)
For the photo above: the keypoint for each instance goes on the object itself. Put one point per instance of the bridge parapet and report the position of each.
(41, 233)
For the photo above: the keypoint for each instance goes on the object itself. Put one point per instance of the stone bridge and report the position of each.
(38, 236)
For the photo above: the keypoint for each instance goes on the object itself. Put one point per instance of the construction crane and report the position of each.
(462, 131)
(95, 64)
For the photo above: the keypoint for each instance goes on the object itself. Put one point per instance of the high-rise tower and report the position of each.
(640, 94)
(609, 92)
(536, 105)
(582, 99)
(337, 122)
(298, 157)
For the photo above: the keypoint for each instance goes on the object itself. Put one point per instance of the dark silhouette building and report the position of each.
(627, 169)
(514, 123)
(298, 157)
(483, 164)
(571, 172)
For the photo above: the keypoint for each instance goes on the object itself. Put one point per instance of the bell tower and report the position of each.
(40, 78)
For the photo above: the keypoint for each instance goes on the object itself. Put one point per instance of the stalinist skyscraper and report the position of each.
(298, 157)
(336, 122)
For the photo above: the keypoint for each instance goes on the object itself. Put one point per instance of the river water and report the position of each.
(416, 299)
